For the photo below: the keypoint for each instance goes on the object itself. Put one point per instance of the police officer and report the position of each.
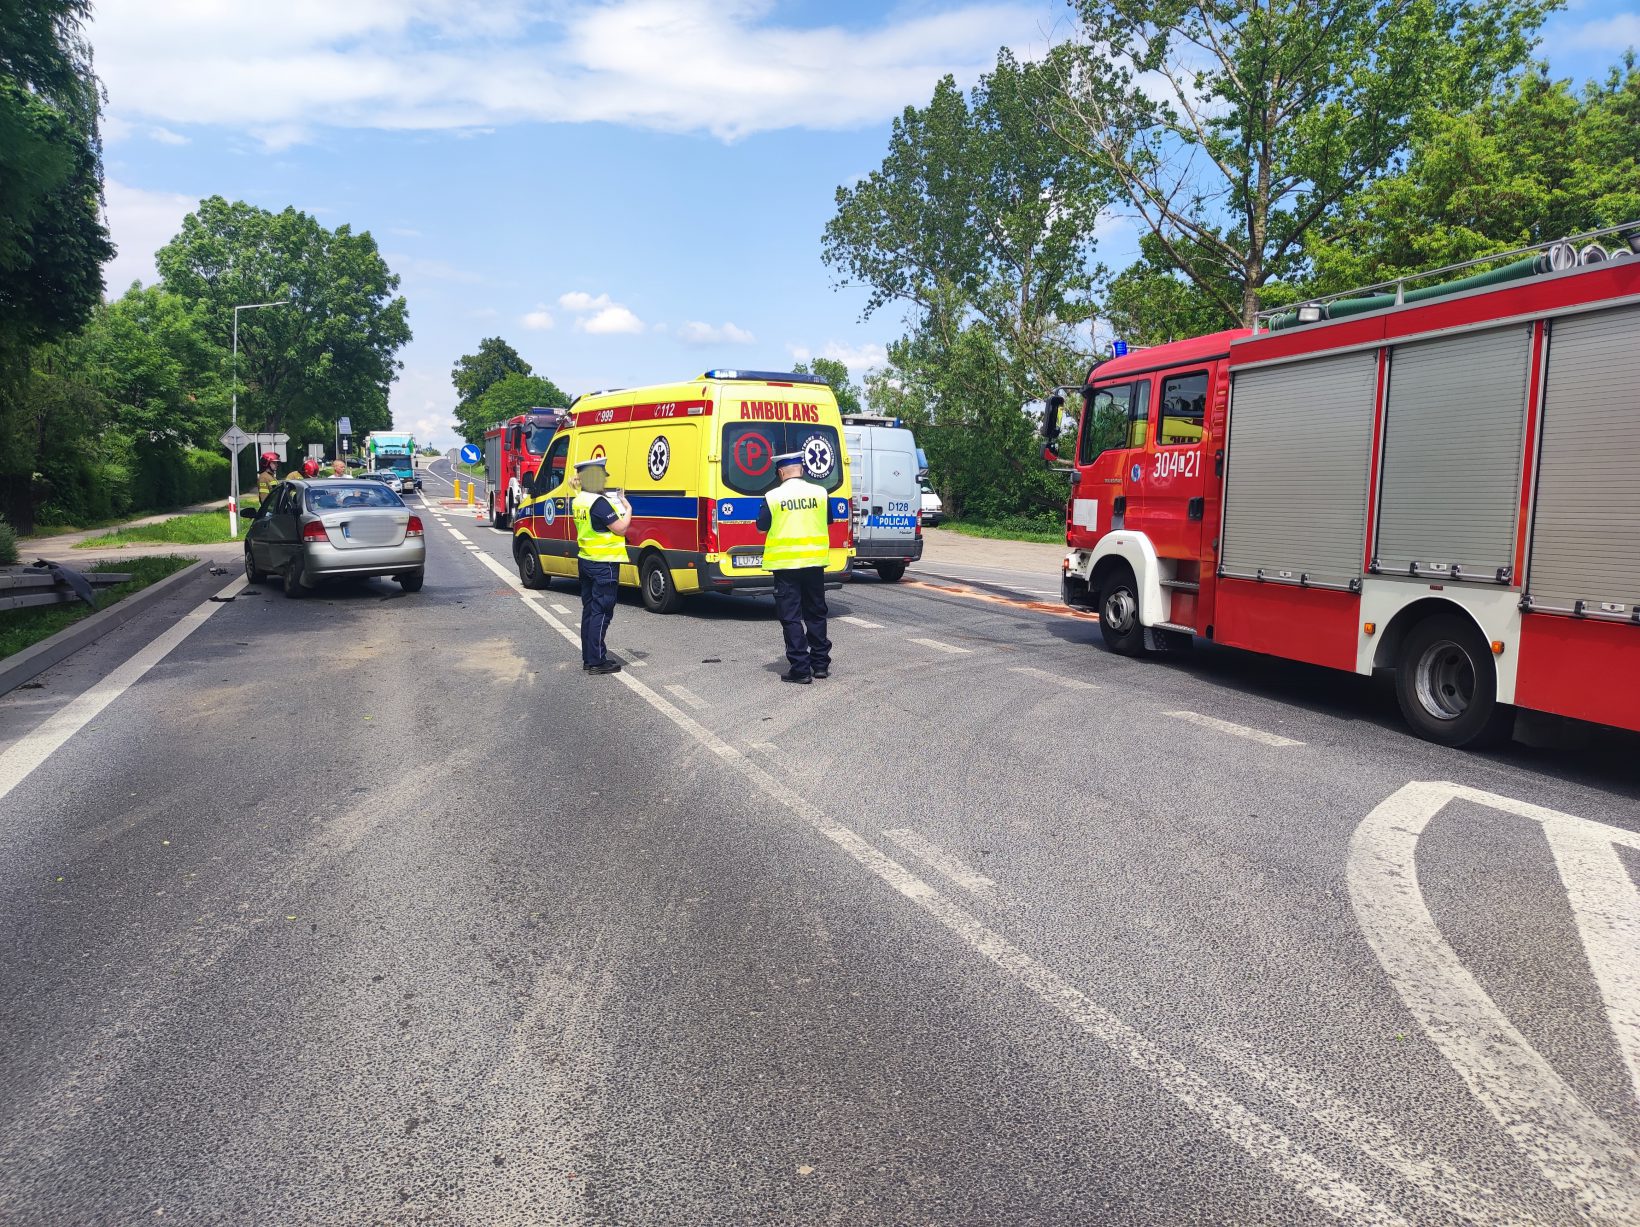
(601, 521)
(797, 520)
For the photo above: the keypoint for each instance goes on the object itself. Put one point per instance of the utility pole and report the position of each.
(233, 467)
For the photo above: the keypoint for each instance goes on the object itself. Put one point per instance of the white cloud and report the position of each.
(1600, 33)
(697, 333)
(728, 67)
(165, 136)
(578, 300)
(858, 358)
(141, 222)
(613, 319)
(539, 320)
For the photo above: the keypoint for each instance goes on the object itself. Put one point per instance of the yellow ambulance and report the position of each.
(694, 461)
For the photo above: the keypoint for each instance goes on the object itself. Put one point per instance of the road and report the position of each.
(373, 908)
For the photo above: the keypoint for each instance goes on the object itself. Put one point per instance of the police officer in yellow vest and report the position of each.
(601, 521)
(797, 519)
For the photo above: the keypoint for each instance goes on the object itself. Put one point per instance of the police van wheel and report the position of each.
(889, 572)
(1447, 685)
(660, 594)
(529, 565)
(1119, 623)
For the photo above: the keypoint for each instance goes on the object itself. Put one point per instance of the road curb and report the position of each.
(33, 661)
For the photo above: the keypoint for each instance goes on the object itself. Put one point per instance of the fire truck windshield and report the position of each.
(539, 440)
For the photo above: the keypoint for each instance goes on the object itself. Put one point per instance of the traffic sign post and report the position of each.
(470, 454)
(235, 440)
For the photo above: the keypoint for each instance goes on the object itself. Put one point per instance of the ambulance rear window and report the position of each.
(749, 449)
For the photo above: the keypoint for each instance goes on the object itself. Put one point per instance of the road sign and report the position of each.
(345, 426)
(234, 439)
(470, 454)
(316, 451)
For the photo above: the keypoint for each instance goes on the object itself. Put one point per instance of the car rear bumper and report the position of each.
(321, 559)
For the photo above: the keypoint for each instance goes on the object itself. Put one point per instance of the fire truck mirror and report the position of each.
(1050, 426)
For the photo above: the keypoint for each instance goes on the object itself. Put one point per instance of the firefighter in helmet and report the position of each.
(267, 476)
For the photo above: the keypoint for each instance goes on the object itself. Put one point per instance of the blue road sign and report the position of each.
(470, 454)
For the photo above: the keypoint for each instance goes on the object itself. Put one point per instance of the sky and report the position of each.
(628, 191)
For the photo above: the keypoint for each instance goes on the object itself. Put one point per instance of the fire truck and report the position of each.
(512, 452)
(1440, 481)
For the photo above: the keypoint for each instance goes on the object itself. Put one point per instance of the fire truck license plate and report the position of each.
(748, 560)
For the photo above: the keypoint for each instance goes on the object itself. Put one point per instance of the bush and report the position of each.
(8, 544)
(206, 476)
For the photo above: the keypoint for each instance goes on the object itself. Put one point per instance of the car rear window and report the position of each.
(749, 449)
(341, 498)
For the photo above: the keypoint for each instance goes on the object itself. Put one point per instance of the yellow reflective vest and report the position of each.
(594, 545)
(799, 527)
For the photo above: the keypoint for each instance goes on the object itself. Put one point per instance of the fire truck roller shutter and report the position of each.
(1295, 499)
(1454, 423)
(1586, 529)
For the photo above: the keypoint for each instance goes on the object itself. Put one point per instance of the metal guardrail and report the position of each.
(51, 584)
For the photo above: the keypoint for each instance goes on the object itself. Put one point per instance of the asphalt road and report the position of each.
(373, 908)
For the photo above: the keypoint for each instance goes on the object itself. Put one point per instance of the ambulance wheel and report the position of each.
(1119, 623)
(889, 572)
(660, 594)
(1447, 685)
(529, 564)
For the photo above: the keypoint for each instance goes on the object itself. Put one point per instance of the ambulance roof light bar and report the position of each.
(762, 376)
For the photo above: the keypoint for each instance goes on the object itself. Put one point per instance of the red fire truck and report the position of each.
(1441, 481)
(512, 452)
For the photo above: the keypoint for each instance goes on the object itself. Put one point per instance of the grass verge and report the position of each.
(1013, 529)
(201, 528)
(22, 628)
(470, 470)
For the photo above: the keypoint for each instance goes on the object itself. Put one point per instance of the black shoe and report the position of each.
(801, 679)
(821, 674)
(608, 666)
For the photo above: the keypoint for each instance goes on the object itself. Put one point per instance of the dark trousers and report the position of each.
(800, 600)
(599, 585)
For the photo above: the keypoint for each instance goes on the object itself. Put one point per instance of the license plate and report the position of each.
(748, 560)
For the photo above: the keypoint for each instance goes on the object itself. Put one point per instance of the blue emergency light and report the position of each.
(1118, 349)
(763, 376)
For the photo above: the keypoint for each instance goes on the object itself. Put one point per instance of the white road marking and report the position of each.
(853, 621)
(34, 747)
(458, 534)
(942, 647)
(768, 747)
(970, 879)
(1235, 730)
(1058, 678)
(1325, 1186)
(1571, 1144)
(563, 609)
(689, 697)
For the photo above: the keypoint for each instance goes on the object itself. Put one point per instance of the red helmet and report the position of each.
(310, 467)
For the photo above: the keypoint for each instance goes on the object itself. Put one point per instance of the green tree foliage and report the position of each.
(475, 374)
(835, 374)
(1538, 161)
(980, 223)
(332, 352)
(508, 396)
(1237, 128)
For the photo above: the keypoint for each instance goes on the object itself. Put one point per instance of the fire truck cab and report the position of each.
(512, 453)
(1444, 482)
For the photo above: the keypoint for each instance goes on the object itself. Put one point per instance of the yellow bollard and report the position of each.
(471, 497)
(458, 489)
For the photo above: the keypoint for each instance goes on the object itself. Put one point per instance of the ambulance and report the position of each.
(694, 460)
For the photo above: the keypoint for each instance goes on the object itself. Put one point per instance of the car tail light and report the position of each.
(314, 531)
(413, 529)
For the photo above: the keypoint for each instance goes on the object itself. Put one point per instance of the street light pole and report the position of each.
(233, 465)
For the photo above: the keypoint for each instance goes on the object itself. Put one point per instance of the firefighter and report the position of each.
(310, 467)
(797, 520)
(601, 521)
(266, 476)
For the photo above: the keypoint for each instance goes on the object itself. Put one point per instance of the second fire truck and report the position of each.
(1439, 481)
(512, 452)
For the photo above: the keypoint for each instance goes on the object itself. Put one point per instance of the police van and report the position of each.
(885, 466)
(694, 461)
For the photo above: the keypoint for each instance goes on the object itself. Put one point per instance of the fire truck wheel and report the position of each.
(529, 564)
(1119, 614)
(497, 521)
(1447, 685)
(660, 594)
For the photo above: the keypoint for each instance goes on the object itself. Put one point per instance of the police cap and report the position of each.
(599, 461)
(789, 459)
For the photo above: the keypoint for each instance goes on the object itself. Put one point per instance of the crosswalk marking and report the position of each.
(942, 647)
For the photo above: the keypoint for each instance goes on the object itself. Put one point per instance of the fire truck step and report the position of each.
(1173, 626)
(1182, 585)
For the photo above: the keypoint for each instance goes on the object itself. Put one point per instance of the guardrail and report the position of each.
(51, 584)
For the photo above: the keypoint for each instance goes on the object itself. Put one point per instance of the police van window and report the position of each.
(749, 449)
(1184, 408)
(551, 473)
(1115, 417)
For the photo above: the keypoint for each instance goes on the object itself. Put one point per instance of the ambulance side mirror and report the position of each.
(1050, 427)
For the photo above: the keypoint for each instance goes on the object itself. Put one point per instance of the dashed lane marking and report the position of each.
(768, 747)
(689, 697)
(970, 879)
(1057, 678)
(1235, 730)
(943, 647)
(563, 609)
(458, 534)
(853, 621)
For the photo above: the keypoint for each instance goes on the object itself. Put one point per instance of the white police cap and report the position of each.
(600, 461)
(790, 458)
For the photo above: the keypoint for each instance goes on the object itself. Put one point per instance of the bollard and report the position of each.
(470, 499)
(458, 489)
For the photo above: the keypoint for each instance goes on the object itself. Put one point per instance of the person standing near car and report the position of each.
(266, 477)
(601, 521)
(797, 520)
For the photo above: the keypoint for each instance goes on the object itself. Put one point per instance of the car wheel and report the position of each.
(413, 581)
(1447, 685)
(293, 580)
(529, 564)
(1119, 614)
(889, 572)
(253, 573)
(660, 594)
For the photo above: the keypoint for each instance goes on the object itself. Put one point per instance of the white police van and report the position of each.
(886, 471)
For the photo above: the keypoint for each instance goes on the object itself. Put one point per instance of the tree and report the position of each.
(331, 352)
(1236, 128)
(835, 374)
(508, 396)
(473, 374)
